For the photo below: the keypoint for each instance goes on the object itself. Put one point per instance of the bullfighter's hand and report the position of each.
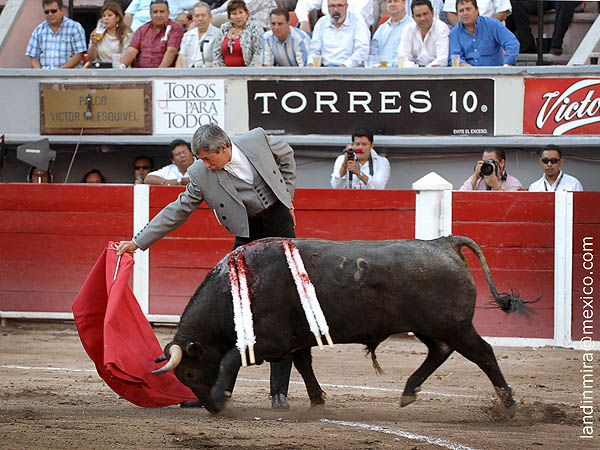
(293, 215)
(126, 246)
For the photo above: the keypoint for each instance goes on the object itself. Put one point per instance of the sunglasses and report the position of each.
(142, 167)
(50, 11)
(550, 160)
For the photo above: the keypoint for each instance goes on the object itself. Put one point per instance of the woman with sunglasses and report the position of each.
(111, 37)
(239, 42)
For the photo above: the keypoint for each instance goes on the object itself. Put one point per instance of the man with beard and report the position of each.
(341, 38)
(360, 167)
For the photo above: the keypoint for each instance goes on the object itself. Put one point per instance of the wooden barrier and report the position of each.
(51, 235)
(516, 232)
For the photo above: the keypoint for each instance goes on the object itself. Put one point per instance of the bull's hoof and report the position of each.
(506, 397)
(407, 399)
(317, 402)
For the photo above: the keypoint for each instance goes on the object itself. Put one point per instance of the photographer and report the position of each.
(360, 167)
(490, 174)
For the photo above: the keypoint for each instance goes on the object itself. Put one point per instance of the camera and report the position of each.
(351, 154)
(489, 167)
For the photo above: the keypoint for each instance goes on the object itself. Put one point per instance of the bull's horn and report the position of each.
(176, 354)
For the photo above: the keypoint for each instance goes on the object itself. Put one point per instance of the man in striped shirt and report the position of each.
(284, 45)
(58, 42)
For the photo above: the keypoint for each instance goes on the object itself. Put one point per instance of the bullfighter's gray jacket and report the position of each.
(272, 158)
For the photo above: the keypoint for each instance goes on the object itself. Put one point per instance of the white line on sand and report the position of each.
(402, 433)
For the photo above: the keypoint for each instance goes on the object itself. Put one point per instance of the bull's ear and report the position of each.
(194, 349)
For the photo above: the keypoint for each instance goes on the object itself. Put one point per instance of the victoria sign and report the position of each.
(560, 106)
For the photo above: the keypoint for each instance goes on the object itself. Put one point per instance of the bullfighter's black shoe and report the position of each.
(191, 404)
(279, 401)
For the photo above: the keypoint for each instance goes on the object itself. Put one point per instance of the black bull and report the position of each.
(368, 290)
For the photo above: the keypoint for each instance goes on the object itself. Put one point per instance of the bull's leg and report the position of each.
(303, 363)
(472, 346)
(230, 365)
(438, 353)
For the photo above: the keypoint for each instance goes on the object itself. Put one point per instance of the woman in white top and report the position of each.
(114, 39)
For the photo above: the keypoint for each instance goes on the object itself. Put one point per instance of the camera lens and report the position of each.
(487, 169)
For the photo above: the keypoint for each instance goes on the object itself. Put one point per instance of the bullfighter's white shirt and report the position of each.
(239, 166)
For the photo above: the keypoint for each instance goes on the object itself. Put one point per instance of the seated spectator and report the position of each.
(239, 42)
(258, 11)
(93, 176)
(341, 38)
(176, 172)
(283, 45)
(385, 41)
(359, 8)
(554, 179)
(156, 43)
(490, 174)
(196, 45)
(360, 167)
(498, 9)
(114, 39)
(138, 12)
(142, 166)
(35, 175)
(425, 41)
(481, 41)
(519, 23)
(58, 42)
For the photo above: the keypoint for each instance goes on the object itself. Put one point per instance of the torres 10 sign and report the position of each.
(560, 106)
(409, 107)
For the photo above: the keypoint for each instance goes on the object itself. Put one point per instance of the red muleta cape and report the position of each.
(119, 339)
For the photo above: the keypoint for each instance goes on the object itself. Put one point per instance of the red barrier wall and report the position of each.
(586, 239)
(179, 262)
(516, 232)
(51, 236)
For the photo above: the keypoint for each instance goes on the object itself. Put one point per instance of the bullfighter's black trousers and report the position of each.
(275, 221)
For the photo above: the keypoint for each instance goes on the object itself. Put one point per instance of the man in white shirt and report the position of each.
(175, 173)
(424, 42)
(360, 167)
(498, 9)
(362, 8)
(554, 179)
(196, 44)
(387, 38)
(340, 38)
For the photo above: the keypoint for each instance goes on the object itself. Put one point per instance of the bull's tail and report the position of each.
(508, 303)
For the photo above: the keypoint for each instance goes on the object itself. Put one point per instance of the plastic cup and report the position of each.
(455, 60)
(116, 60)
(317, 61)
(400, 61)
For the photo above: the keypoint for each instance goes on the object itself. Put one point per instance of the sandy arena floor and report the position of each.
(52, 397)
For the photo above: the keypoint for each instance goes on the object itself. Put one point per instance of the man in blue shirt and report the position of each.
(58, 42)
(479, 40)
(386, 39)
(283, 45)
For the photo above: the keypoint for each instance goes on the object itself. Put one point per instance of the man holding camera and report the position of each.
(490, 174)
(360, 167)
